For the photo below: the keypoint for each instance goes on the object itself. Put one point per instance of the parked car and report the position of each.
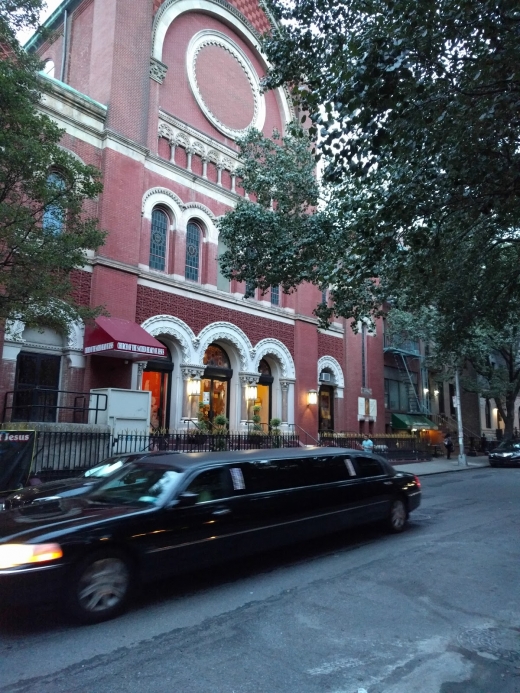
(164, 514)
(507, 454)
(64, 488)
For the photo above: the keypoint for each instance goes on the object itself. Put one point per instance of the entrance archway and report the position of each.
(156, 378)
(215, 395)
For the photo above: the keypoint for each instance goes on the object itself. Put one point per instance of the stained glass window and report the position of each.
(158, 240)
(53, 216)
(192, 252)
(216, 356)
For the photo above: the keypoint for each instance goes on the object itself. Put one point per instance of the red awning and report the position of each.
(122, 339)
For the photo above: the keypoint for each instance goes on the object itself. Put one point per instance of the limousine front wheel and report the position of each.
(100, 586)
(398, 515)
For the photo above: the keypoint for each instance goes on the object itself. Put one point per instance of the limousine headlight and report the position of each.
(14, 555)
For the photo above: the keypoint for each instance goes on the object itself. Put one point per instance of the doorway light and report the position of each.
(312, 397)
(193, 387)
(251, 392)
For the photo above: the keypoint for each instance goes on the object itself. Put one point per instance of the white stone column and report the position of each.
(188, 401)
(284, 384)
(172, 152)
(205, 168)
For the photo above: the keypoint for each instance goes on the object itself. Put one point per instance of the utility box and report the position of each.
(127, 411)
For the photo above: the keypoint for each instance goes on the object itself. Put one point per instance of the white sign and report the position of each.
(205, 397)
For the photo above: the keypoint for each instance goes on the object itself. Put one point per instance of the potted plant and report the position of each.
(275, 432)
(198, 434)
(220, 430)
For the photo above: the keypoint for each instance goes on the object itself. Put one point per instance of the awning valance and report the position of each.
(405, 422)
(121, 339)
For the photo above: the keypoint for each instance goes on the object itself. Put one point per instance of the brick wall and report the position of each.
(330, 346)
(198, 314)
(82, 285)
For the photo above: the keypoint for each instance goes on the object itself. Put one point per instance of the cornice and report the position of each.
(197, 134)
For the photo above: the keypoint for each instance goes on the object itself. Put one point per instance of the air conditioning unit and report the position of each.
(325, 377)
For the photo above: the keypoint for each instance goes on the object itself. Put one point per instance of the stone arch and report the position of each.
(164, 197)
(171, 9)
(226, 332)
(195, 211)
(176, 328)
(273, 347)
(330, 363)
(220, 9)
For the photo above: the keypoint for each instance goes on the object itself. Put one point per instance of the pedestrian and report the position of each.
(448, 444)
(367, 444)
(483, 443)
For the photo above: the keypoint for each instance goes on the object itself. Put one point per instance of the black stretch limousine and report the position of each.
(165, 513)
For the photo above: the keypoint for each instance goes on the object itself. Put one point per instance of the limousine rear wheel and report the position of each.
(100, 586)
(398, 515)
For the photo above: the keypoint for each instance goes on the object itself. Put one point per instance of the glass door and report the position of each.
(326, 408)
(158, 383)
(214, 398)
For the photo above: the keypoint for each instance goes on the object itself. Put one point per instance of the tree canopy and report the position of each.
(45, 228)
(414, 111)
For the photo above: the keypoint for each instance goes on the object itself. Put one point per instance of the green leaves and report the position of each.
(45, 229)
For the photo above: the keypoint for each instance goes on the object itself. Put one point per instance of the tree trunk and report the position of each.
(509, 418)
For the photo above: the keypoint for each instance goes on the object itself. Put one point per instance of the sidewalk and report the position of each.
(442, 466)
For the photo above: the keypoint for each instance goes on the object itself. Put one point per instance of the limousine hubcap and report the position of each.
(103, 585)
(398, 514)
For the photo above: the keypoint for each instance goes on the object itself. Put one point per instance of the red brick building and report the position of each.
(154, 93)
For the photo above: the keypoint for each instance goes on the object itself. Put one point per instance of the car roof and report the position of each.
(188, 460)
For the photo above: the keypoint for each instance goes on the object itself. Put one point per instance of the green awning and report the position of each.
(405, 422)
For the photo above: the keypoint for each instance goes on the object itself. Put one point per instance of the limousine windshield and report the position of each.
(137, 484)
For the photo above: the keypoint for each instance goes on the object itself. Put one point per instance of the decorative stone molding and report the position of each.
(175, 327)
(249, 378)
(191, 371)
(14, 330)
(210, 37)
(227, 332)
(277, 349)
(157, 70)
(166, 7)
(75, 336)
(201, 207)
(330, 363)
(180, 135)
(161, 191)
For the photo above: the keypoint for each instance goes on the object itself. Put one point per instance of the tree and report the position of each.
(44, 227)
(414, 112)
(490, 357)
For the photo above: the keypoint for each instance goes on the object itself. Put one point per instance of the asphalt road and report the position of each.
(434, 610)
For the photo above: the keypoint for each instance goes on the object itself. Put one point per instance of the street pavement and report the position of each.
(441, 466)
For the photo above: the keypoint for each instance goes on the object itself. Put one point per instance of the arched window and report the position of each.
(216, 356)
(53, 216)
(48, 68)
(193, 234)
(158, 240)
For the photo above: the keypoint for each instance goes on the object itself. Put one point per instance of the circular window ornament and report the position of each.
(225, 84)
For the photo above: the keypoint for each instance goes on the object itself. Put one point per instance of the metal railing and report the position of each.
(39, 404)
(62, 454)
(393, 447)
(410, 346)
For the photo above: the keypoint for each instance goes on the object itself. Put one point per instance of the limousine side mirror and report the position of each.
(185, 499)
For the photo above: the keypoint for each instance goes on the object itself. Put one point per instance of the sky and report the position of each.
(24, 36)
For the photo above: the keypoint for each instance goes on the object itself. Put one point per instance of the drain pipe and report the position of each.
(64, 46)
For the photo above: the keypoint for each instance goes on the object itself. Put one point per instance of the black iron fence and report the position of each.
(62, 454)
(49, 405)
(393, 447)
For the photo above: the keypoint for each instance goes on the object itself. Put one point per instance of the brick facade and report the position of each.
(157, 147)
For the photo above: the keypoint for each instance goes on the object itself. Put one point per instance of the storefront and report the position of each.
(214, 395)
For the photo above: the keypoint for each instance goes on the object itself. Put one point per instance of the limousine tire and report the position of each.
(100, 586)
(398, 515)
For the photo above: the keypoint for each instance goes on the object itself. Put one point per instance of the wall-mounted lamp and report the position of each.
(251, 392)
(436, 393)
(312, 397)
(193, 387)
(426, 390)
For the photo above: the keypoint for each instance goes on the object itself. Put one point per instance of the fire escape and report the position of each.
(403, 352)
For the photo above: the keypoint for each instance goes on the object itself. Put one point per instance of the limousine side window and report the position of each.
(368, 466)
(273, 475)
(211, 484)
(326, 469)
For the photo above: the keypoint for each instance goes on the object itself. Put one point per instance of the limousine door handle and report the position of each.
(222, 511)
(388, 483)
